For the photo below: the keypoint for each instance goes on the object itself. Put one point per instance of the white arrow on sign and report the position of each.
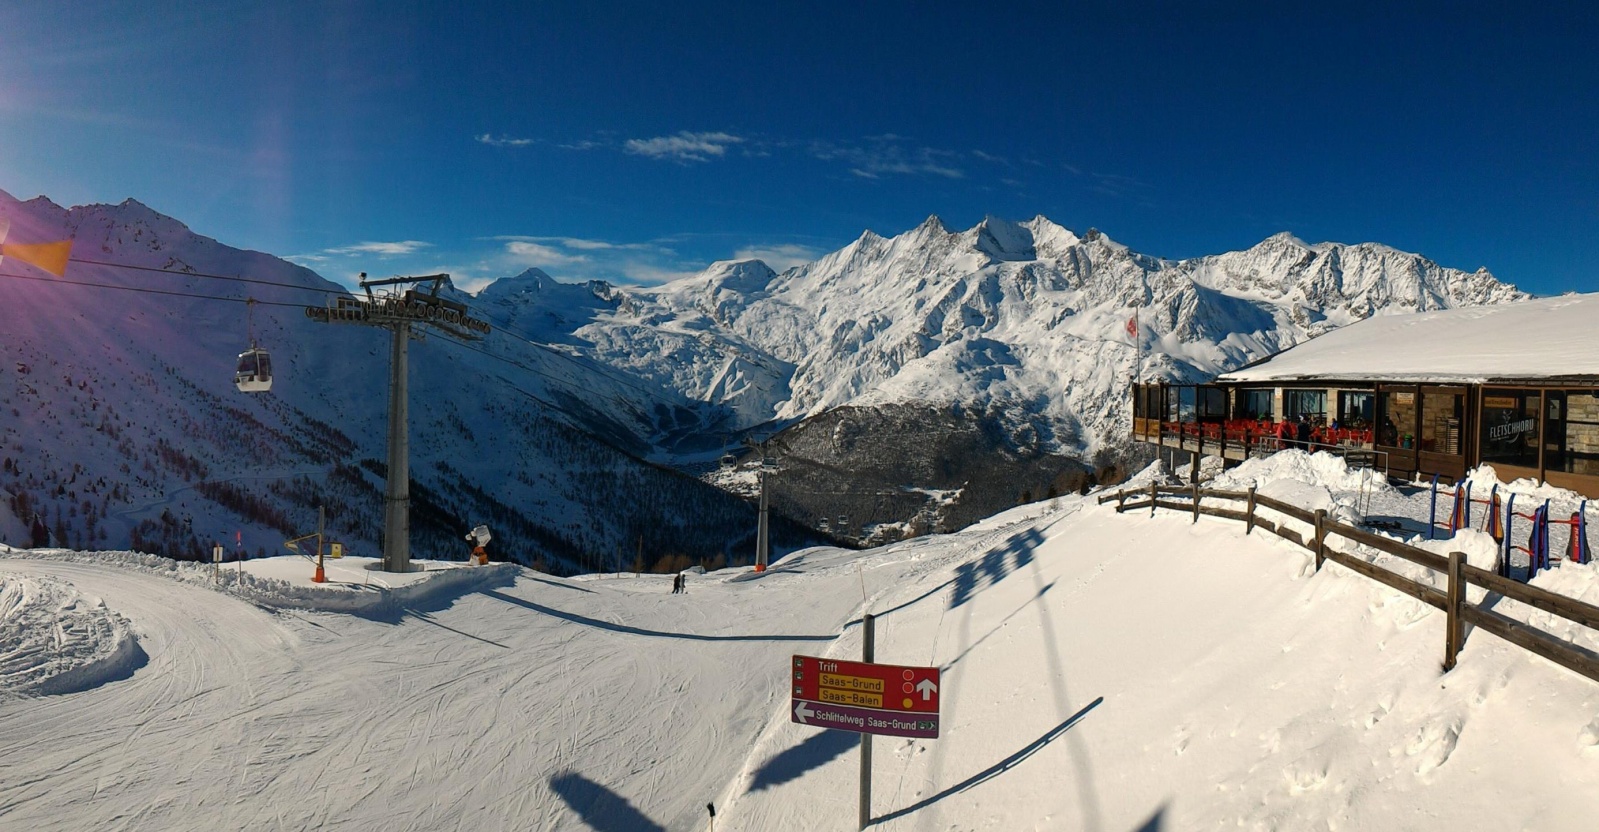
(927, 687)
(803, 713)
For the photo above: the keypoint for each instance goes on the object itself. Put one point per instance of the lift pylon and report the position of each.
(398, 312)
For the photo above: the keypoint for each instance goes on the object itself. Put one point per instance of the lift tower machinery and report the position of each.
(397, 312)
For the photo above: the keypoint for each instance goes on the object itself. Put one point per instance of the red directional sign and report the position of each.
(865, 698)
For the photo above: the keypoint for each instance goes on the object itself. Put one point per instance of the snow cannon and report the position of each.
(51, 257)
(479, 537)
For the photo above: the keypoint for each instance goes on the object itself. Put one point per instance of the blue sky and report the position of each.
(640, 141)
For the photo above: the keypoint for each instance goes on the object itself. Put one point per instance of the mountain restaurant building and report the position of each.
(1515, 386)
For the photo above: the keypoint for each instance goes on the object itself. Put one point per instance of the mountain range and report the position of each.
(898, 385)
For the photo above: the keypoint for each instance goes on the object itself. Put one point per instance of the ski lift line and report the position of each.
(556, 407)
(209, 276)
(551, 350)
(247, 300)
(149, 291)
(505, 330)
(517, 364)
(497, 326)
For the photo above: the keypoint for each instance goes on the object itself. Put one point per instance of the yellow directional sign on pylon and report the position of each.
(52, 257)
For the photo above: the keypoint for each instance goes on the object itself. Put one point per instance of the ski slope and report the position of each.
(1100, 672)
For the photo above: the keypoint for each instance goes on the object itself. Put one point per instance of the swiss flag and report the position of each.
(1132, 326)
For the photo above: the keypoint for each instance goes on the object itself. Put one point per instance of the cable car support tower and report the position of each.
(398, 312)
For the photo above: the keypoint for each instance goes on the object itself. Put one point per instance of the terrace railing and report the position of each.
(1458, 573)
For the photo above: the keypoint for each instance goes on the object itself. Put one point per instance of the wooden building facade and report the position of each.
(1513, 386)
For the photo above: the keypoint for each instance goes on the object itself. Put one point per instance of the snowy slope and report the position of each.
(1003, 342)
(1100, 672)
(119, 420)
(55, 640)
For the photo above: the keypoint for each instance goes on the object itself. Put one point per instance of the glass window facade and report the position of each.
(1509, 433)
(1212, 403)
(1311, 403)
(1356, 409)
(1184, 400)
(1255, 404)
(1398, 408)
(1572, 422)
(1441, 414)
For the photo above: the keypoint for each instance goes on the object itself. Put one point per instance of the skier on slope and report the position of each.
(480, 537)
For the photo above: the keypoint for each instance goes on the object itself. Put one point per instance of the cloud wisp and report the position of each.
(580, 244)
(887, 155)
(781, 257)
(871, 157)
(684, 147)
(504, 141)
(527, 253)
(398, 248)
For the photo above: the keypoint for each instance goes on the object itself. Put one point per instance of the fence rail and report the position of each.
(1459, 573)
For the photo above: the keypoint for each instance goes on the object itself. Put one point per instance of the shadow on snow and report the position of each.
(639, 631)
(599, 807)
(814, 752)
(997, 563)
(998, 768)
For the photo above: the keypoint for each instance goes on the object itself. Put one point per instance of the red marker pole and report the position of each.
(321, 576)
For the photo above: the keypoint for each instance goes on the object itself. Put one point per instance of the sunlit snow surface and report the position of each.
(1475, 344)
(1101, 671)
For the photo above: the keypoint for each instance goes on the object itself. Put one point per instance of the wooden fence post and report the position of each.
(1121, 501)
(1249, 517)
(1457, 597)
(1321, 537)
(1196, 502)
(1152, 499)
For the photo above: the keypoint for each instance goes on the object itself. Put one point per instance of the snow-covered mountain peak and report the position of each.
(740, 275)
(531, 280)
(1023, 318)
(929, 227)
(543, 308)
(1050, 240)
(129, 213)
(40, 205)
(1284, 238)
(1002, 239)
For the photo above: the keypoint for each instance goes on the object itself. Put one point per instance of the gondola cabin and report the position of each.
(255, 371)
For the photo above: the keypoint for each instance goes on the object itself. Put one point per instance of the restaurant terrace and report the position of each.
(1515, 386)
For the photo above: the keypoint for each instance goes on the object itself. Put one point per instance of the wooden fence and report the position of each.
(1190, 498)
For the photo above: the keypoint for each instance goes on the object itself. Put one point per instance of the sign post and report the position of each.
(866, 698)
(868, 652)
